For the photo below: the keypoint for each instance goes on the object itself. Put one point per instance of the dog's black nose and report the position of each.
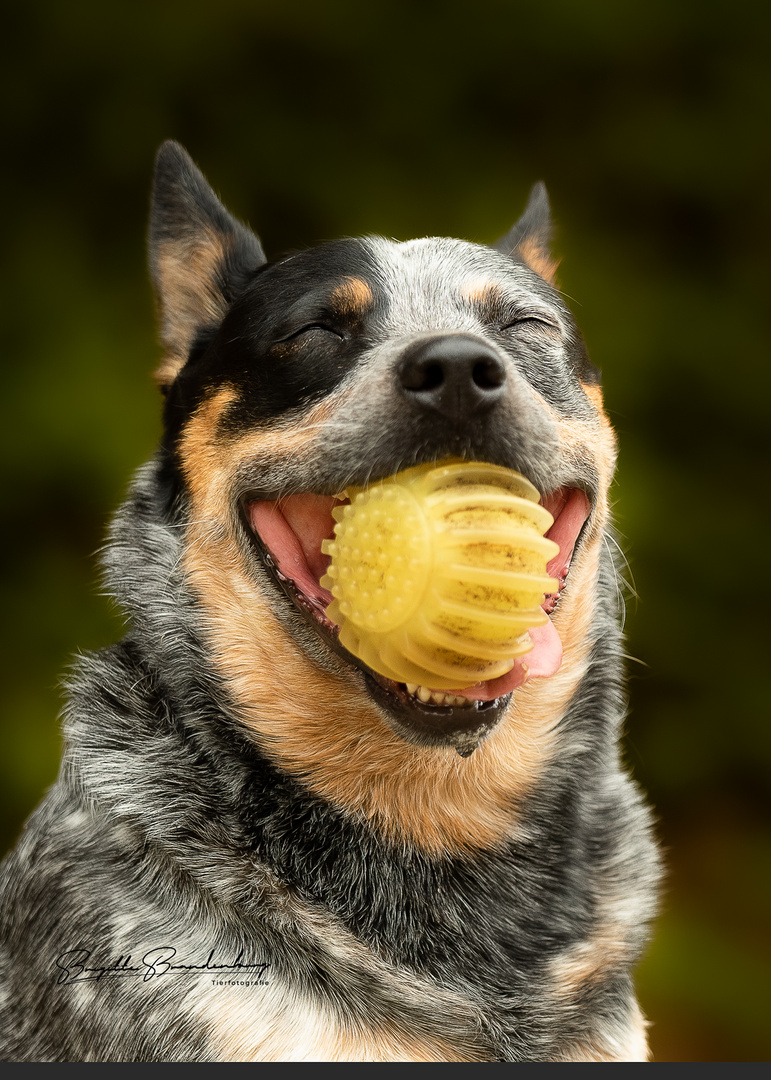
(456, 375)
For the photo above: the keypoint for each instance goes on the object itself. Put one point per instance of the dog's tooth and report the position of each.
(435, 697)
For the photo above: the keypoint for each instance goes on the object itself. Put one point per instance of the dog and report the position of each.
(257, 848)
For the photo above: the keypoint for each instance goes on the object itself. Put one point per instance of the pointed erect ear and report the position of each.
(529, 240)
(200, 256)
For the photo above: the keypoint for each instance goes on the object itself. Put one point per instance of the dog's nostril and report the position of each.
(422, 376)
(488, 374)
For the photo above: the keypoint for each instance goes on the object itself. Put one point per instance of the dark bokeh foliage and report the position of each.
(649, 122)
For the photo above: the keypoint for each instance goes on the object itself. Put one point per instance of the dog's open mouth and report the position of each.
(290, 532)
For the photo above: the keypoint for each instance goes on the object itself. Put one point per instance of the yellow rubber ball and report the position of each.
(438, 572)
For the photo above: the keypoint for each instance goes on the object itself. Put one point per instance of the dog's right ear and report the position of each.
(200, 256)
(530, 239)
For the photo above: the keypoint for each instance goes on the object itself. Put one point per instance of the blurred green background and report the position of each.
(649, 122)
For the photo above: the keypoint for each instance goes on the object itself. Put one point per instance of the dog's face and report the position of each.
(288, 381)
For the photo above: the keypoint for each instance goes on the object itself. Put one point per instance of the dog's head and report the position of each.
(288, 381)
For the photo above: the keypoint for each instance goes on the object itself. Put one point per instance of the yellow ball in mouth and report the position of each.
(438, 572)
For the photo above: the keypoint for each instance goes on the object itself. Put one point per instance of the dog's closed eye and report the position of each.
(312, 329)
(537, 323)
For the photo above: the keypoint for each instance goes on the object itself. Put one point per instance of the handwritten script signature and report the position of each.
(74, 967)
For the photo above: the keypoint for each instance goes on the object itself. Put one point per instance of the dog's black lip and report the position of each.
(461, 727)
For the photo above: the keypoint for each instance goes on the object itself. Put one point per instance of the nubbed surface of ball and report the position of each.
(438, 572)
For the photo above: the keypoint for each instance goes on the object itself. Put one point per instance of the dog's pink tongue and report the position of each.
(292, 531)
(543, 660)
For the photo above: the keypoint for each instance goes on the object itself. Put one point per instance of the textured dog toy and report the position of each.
(438, 573)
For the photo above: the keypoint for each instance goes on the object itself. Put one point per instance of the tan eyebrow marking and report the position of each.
(353, 296)
(481, 290)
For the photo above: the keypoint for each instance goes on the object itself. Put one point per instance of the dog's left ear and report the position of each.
(200, 256)
(530, 239)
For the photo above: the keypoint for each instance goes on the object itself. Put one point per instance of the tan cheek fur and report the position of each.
(322, 727)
